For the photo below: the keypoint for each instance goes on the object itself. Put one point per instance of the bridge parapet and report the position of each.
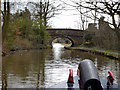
(70, 32)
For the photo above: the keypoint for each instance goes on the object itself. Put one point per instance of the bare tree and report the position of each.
(44, 10)
(110, 8)
(0, 34)
(6, 18)
(0, 15)
(81, 17)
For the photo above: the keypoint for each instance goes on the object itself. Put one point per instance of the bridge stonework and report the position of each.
(74, 35)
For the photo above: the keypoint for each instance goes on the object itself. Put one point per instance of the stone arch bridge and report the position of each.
(74, 35)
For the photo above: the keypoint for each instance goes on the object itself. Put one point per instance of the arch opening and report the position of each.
(66, 41)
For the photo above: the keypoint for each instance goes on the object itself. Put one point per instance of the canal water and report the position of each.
(43, 68)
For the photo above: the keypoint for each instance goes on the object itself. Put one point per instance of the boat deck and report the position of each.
(76, 86)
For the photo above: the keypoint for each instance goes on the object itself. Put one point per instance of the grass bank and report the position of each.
(107, 53)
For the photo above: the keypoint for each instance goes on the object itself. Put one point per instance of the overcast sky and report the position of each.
(67, 19)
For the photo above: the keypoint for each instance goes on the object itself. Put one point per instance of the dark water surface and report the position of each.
(43, 68)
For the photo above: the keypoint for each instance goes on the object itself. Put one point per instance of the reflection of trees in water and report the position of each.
(41, 69)
(119, 72)
(4, 78)
(101, 60)
(21, 64)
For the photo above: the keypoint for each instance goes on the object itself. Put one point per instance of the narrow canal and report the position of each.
(43, 68)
